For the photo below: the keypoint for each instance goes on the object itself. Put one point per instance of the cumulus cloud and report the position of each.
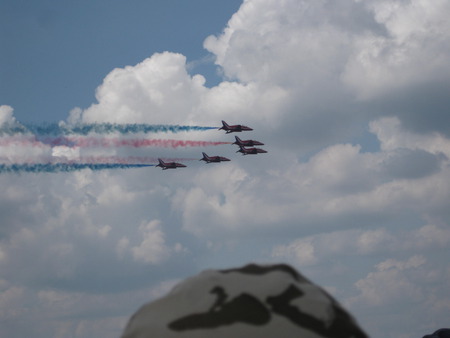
(66, 153)
(412, 283)
(152, 249)
(315, 249)
(302, 251)
(310, 78)
(374, 240)
(336, 184)
(158, 90)
(386, 54)
(392, 281)
(410, 52)
(6, 115)
(392, 135)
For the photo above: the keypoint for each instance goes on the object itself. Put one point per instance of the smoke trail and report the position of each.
(138, 143)
(55, 129)
(36, 141)
(132, 159)
(64, 167)
(91, 160)
(71, 141)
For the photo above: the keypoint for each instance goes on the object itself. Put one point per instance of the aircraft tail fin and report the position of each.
(205, 157)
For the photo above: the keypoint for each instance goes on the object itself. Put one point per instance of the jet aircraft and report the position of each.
(169, 165)
(234, 128)
(247, 143)
(250, 151)
(209, 159)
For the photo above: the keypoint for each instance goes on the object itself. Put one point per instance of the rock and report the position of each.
(441, 333)
(251, 301)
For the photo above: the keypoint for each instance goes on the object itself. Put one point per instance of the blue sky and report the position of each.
(55, 53)
(349, 99)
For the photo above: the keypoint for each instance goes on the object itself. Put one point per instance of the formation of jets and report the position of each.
(243, 143)
(243, 148)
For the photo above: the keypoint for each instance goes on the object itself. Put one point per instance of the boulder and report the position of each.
(250, 301)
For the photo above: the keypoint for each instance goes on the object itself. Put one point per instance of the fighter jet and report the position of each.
(250, 151)
(209, 159)
(234, 128)
(247, 143)
(169, 165)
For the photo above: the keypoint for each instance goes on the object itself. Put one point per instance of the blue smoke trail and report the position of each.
(64, 167)
(55, 129)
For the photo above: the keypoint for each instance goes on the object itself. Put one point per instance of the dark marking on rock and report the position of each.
(244, 308)
(253, 269)
(341, 327)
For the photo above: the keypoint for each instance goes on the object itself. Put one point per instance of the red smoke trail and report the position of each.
(126, 160)
(105, 142)
(19, 141)
(129, 160)
(138, 143)
(36, 142)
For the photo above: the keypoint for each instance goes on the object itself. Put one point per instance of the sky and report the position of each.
(350, 99)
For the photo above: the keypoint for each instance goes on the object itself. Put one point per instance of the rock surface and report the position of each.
(251, 301)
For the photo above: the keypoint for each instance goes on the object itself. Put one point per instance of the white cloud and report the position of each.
(412, 262)
(391, 282)
(283, 47)
(158, 90)
(122, 246)
(301, 251)
(64, 153)
(153, 248)
(277, 42)
(8, 300)
(308, 76)
(373, 240)
(337, 184)
(431, 235)
(392, 136)
(6, 115)
(22, 148)
(411, 51)
(326, 55)
(317, 249)
(68, 313)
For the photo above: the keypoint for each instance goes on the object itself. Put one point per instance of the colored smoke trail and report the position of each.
(138, 143)
(84, 136)
(72, 141)
(35, 141)
(129, 160)
(92, 163)
(55, 129)
(105, 160)
(64, 167)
